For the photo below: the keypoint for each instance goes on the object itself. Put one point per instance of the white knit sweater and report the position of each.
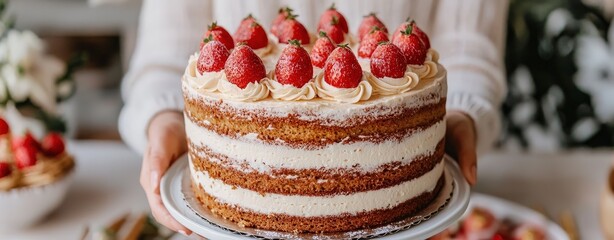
(469, 35)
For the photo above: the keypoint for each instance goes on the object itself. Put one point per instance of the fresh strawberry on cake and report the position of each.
(416, 30)
(323, 47)
(220, 34)
(370, 42)
(292, 29)
(368, 23)
(283, 13)
(293, 74)
(251, 33)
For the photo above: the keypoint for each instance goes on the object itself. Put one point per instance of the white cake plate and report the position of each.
(176, 196)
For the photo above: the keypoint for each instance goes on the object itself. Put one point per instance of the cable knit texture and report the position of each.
(469, 35)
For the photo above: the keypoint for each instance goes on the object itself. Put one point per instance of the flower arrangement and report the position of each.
(32, 83)
(560, 65)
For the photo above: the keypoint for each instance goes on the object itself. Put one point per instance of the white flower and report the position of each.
(65, 88)
(3, 94)
(557, 21)
(21, 124)
(18, 85)
(23, 48)
(595, 60)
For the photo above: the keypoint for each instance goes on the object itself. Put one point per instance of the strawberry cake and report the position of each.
(26, 162)
(297, 133)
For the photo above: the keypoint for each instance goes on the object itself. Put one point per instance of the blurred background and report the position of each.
(559, 63)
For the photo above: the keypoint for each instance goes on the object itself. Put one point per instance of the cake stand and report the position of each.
(176, 196)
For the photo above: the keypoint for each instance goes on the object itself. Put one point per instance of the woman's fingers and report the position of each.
(461, 143)
(166, 142)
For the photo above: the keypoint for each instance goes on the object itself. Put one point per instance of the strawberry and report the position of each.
(342, 69)
(27, 140)
(212, 56)
(412, 46)
(219, 34)
(252, 33)
(294, 65)
(52, 144)
(4, 127)
(321, 49)
(283, 14)
(478, 220)
(367, 24)
(245, 23)
(5, 169)
(397, 32)
(25, 156)
(293, 29)
(334, 31)
(388, 61)
(244, 66)
(423, 37)
(328, 16)
(370, 42)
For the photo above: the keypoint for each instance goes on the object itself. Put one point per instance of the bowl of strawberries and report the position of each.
(35, 175)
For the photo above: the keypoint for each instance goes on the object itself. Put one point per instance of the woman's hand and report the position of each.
(166, 143)
(461, 143)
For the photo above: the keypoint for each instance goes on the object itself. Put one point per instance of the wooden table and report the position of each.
(106, 186)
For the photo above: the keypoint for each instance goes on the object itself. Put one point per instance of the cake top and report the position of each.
(291, 64)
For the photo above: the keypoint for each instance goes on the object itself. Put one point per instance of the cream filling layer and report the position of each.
(316, 206)
(363, 156)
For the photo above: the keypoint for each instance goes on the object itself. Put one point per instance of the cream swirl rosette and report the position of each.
(391, 86)
(362, 92)
(254, 91)
(206, 81)
(429, 68)
(288, 92)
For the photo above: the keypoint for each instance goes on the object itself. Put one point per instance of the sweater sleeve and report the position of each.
(169, 31)
(470, 36)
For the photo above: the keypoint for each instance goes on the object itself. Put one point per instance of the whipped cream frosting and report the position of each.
(430, 67)
(336, 114)
(291, 93)
(392, 86)
(271, 156)
(210, 82)
(315, 206)
(206, 81)
(251, 93)
(362, 92)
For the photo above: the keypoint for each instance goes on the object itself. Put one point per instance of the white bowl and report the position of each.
(22, 207)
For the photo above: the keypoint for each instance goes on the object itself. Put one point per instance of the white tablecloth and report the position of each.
(106, 186)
